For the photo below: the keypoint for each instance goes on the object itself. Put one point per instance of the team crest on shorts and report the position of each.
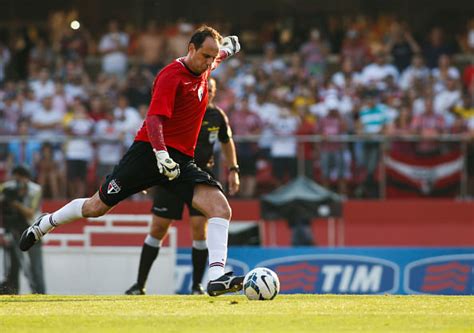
(113, 187)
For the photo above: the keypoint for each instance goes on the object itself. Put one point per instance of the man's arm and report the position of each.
(228, 149)
(166, 165)
(230, 46)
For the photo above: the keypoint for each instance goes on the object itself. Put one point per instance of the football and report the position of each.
(261, 284)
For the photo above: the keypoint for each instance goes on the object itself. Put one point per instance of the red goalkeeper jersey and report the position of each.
(181, 98)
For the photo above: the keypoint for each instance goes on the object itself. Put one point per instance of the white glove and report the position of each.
(230, 45)
(166, 165)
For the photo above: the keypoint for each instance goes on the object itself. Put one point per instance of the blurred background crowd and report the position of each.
(327, 100)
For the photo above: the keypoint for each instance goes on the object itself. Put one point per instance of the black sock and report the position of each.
(199, 258)
(148, 256)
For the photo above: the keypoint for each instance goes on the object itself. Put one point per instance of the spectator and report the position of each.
(314, 53)
(429, 125)
(5, 57)
(43, 86)
(416, 72)
(23, 149)
(109, 148)
(346, 77)
(151, 46)
(443, 72)
(74, 44)
(20, 49)
(41, 55)
(139, 86)
(356, 48)
(398, 129)
(244, 122)
(9, 115)
(446, 100)
(283, 146)
(333, 155)
(127, 119)
(20, 201)
(372, 121)
(271, 62)
(436, 46)
(113, 46)
(374, 74)
(28, 103)
(47, 121)
(49, 172)
(401, 45)
(78, 151)
(59, 99)
(98, 110)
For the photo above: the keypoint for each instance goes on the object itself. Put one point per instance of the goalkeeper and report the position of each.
(162, 154)
(168, 207)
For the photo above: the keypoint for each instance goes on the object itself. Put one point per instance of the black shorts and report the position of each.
(137, 171)
(168, 205)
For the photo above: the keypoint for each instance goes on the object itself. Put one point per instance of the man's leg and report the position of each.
(36, 270)
(150, 250)
(76, 209)
(199, 252)
(214, 205)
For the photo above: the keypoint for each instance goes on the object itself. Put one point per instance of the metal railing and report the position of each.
(384, 142)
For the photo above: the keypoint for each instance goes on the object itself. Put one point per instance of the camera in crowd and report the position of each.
(14, 191)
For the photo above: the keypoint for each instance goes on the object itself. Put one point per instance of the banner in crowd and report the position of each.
(420, 176)
(353, 270)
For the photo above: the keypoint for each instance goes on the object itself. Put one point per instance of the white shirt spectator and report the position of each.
(284, 143)
(115, 60)
(42, 89)
(267, 112)
(72, 91)
(127, 120)
(340, 79)
(29, 107)
(376, 74)
(51, 118)
(439, 82)
(80, 148)
(444, 102)
(411, 74)
(109, 148)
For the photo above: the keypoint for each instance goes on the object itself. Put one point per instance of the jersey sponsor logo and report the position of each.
(200, 93)
(113, 187)
(335, 274)
(442, 275)
(184, 272)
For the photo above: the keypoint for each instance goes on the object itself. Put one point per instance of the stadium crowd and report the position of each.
(79, 98)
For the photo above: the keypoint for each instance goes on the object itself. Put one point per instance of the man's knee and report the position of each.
(211, 202)
(94, 207)
(159, 227)
(220, 209)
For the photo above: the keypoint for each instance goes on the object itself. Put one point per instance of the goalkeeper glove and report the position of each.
(166, 165)
(230, 45)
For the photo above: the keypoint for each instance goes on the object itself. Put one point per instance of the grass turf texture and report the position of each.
(226, 314)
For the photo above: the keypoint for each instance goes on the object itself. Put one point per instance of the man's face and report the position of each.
(211, 88)
(201, 59)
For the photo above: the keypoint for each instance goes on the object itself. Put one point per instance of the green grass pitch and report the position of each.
(226, 314)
